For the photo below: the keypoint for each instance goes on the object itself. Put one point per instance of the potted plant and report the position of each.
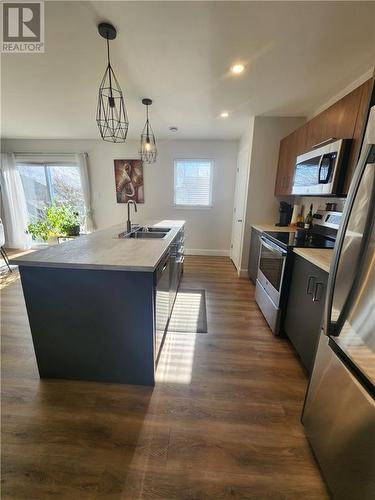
(57, 221)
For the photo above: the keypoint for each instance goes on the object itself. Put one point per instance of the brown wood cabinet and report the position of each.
(364, 105)
(343, 120)
(290, 147)
(338, 121)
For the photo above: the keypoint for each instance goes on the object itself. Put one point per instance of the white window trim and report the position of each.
(193, 207)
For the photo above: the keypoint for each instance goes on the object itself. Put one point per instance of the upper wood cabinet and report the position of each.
(358, 132)
(338, 121)
(343, 120)
(290, 147)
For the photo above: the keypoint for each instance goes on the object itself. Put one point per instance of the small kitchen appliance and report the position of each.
(285, 214)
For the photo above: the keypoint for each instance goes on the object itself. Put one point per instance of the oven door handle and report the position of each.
(271, 247)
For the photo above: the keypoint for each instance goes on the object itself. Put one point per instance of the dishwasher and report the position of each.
(161, 302)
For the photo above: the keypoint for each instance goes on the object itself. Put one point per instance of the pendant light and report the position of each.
(111, 115)
(148, 149)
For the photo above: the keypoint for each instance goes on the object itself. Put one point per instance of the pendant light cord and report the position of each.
(108, 57)
(148, 131)
(110, 68)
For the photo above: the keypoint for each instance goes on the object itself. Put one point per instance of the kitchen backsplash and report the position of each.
(318, 203)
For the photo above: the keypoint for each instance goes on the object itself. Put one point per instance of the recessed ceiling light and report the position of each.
(224, 114)
(237, 68)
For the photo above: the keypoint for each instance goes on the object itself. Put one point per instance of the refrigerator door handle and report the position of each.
(331, 327)
(318, 291)
(310, 284)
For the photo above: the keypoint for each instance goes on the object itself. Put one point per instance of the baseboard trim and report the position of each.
(203, 251)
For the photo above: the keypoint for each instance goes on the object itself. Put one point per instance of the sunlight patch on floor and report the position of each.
(177, 357)
(7, 277)
(186, 312)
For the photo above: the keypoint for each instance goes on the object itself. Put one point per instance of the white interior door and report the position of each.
(239, 208)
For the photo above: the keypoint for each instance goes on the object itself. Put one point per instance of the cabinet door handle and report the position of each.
(318, 292)
(310, 284)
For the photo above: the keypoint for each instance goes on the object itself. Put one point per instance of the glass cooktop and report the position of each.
(307, 239)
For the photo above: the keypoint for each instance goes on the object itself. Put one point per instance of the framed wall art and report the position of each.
(129, 181)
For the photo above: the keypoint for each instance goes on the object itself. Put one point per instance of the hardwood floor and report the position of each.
(221, 423)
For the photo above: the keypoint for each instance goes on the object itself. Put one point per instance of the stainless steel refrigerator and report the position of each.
(339, 410)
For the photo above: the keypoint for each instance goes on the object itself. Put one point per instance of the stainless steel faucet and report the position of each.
(128, 222)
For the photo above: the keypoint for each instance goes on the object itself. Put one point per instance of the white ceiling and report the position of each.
(297, 56)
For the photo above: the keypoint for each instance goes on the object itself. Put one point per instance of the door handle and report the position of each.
(328, 157)
(272, 248)
(310, 284)
(317, 296)
(239, 220)
(323, 143)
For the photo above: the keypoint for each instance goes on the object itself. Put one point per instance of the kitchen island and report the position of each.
(99, 306)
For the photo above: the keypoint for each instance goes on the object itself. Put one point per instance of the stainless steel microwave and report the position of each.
(320, 171)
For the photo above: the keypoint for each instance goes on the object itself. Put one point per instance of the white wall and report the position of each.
(207, 230)
(262, 205)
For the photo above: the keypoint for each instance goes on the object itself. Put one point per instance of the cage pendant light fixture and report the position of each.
(148, 149)
(111, 115)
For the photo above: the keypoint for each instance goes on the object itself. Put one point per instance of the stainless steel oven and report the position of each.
(276, 259)
(319, 172)
(271, 269)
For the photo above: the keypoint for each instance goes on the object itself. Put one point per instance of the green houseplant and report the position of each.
(57, 221)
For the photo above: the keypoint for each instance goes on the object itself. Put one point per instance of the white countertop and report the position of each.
(273, 227)
(104, 250)
(320, 257)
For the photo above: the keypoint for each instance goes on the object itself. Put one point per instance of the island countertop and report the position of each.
(103, 249)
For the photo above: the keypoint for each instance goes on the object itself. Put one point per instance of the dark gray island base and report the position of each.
(98, 324)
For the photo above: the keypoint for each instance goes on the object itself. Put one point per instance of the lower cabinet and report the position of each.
(305, 308)
(162, 294)
(167, 280)
(177, 262)
(252, 267)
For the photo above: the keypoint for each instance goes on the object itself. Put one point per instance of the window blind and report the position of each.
(193, 183)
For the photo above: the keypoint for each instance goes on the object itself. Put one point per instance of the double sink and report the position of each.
(145, 232)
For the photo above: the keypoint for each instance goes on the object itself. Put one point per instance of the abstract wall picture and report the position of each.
(129, 181)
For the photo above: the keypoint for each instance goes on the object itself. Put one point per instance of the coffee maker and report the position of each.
(285, 214)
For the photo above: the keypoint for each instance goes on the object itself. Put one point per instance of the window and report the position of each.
(46, 184)
(193, 183)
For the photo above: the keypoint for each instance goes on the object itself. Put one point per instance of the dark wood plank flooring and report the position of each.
(221, 423)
